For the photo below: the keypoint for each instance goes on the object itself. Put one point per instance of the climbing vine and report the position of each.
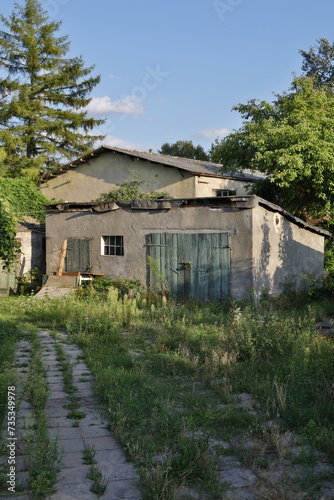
(9, 246)
(24, 197)
(19, 197)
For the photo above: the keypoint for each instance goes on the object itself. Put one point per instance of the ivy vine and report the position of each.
(9, 246)
(19, 197)
(24, 197)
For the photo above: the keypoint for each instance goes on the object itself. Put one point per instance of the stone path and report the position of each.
(74, 434)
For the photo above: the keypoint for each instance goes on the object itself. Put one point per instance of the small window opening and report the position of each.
(223, 192)
(112, 245)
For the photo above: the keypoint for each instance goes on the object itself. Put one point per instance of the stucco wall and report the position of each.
(267, 250)
(134, 225)
(283, 252)
(99, 175)
(205, 186)
(33, 251)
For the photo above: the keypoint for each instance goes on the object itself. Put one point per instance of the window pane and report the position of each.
(113, 245)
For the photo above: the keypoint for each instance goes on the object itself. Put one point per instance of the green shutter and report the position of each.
(77, 255)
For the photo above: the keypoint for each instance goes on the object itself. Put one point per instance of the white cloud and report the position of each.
(212, 133)
(102, 106)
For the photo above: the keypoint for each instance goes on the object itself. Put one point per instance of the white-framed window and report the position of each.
(112, 245)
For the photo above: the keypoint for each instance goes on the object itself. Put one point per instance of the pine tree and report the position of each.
(42, 94)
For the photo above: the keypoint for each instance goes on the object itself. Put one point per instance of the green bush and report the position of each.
(100, 286)
(29, 282)
(323, 288)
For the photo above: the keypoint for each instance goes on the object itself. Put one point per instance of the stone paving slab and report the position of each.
(60, 422)
(56, 394)
(241, 494)
(101, 443)
(70, 445)
(122, 490)
(25, 405)
(56, 412)
(74, 475)
(110, 458)
(54, 378)
(66, 432)
(71, 459)
(79, 491)
(238, 477)
(21, 462)
(73, 355)
(94, 431)
(93, 418)
(119, 472)
(81, 366)
(50, 364)
(86, 401)
(52, 370)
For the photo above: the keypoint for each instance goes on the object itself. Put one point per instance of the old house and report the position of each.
(31, 236)
(206, 248)
(98, 172)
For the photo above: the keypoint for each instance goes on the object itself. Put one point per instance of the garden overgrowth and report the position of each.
(171, 376)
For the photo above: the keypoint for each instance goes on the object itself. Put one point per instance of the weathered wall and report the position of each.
(32, 255)
(25, 258)
(99, 175)
(267, 250)
(134, 225)
(205, 186)
(33, 251)
(283, 252)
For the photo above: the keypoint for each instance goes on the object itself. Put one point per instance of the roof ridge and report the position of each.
(161, 155)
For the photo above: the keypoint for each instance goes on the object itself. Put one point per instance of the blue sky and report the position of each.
(172, 70)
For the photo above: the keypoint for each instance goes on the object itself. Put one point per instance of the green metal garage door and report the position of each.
(196, 266)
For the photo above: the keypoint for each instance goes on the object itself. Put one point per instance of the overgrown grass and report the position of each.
(168, 375)
(9, 335)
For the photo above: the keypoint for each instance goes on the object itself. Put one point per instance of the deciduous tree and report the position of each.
(292, 140)
(184, 149)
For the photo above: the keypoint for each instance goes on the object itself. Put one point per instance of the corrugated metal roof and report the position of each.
(195, 167)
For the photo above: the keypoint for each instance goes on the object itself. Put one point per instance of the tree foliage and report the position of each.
(132, 189)
(42, 93)
(292, 140)
(318, 63)
(184, 149)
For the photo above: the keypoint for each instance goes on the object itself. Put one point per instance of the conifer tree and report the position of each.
(42, 94)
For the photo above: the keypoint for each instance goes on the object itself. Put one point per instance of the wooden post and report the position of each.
(62, 258)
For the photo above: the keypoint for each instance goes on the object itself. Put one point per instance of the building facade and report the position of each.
(206, 248)
(86, 178)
